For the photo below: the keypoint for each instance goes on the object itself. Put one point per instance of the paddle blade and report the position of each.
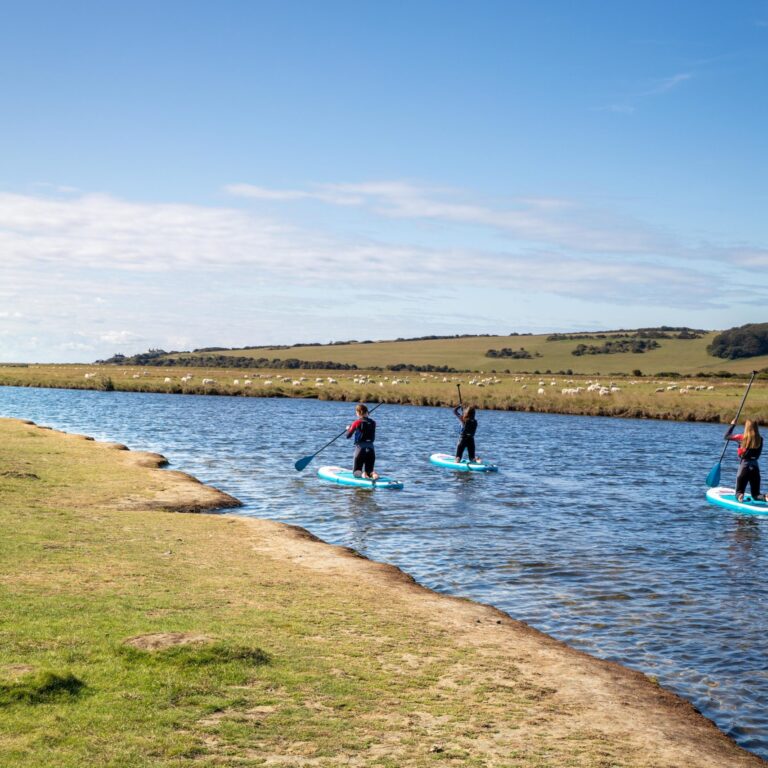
(302, 463)
(713, 478)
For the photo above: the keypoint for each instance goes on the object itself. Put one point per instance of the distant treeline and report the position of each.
(636, 346)
(152, 358)
(349, 341)
(642, 333)
(159, 358)
(745, 341)
(516, 354)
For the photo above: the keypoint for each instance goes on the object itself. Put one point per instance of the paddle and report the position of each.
(302, 463)
(458, 386)
(713, 478)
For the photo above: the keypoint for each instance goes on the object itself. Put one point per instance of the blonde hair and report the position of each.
(751, 437)
(361, 409)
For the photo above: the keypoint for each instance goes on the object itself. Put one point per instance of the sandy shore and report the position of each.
(576, 709)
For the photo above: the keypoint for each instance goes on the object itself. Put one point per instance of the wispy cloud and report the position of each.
(630, 104)
(550, 221)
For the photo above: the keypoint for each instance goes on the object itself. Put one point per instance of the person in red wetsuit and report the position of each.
(363, 429)
(750, 447)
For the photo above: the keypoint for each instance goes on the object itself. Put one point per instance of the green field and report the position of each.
(468, 354)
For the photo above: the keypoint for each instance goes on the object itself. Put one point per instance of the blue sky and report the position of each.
(184, 174)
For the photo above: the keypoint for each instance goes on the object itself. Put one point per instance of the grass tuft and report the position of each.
(196, 655)
(39, 687)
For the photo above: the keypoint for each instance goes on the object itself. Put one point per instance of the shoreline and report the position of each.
(622, 708)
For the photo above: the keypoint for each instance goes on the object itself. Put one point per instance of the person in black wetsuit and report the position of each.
(750, 448)
(364, 432)
(467, 435)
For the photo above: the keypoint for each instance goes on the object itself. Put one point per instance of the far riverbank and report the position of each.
(673, 398)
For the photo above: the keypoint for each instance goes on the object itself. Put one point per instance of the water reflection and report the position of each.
(595, 530)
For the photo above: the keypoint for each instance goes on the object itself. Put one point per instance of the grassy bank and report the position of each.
(131, 637)
(682, 399)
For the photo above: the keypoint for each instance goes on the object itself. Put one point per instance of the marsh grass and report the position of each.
(637, 397)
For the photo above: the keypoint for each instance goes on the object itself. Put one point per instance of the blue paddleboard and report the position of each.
(726, 497)
(343, 476)
(449, 462)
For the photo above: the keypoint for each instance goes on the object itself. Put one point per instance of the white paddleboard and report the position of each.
(449, 462)
(343, 476)
(726, 497)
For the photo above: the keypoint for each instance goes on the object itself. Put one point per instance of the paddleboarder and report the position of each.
(468, 428)
(363, 429)
(749, 450)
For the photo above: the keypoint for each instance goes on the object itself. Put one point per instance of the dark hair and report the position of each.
(469, 413)
(361, 409)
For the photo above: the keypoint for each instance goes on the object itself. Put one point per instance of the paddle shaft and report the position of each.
(738, 413)
(301, 463)
(458, 386)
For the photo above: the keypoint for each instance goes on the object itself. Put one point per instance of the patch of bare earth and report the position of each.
(160, 640)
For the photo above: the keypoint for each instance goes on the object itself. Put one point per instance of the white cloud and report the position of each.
(93, 272)
(119, 337)
(550, 221)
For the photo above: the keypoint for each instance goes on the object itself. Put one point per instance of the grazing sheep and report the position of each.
(167, 380)
(541, 390)
(208, 381)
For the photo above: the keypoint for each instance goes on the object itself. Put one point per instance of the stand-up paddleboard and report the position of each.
(343, 476)
(726, 497)
(449, 462)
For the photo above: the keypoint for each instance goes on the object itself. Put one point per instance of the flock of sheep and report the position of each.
(543, 387)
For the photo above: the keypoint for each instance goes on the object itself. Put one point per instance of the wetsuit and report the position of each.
(466, 436)
(749, 470)
(364, 432)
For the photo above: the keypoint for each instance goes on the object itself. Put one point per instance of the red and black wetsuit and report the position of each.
(467, 435)
(749, 470)
(364, 432)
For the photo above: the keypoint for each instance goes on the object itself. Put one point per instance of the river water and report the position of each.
(596, 530)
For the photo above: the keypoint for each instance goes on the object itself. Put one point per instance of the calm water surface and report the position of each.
(596, 530)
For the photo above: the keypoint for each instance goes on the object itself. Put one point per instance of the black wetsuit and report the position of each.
(467, 435)
(364, 430)
(749, 469)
